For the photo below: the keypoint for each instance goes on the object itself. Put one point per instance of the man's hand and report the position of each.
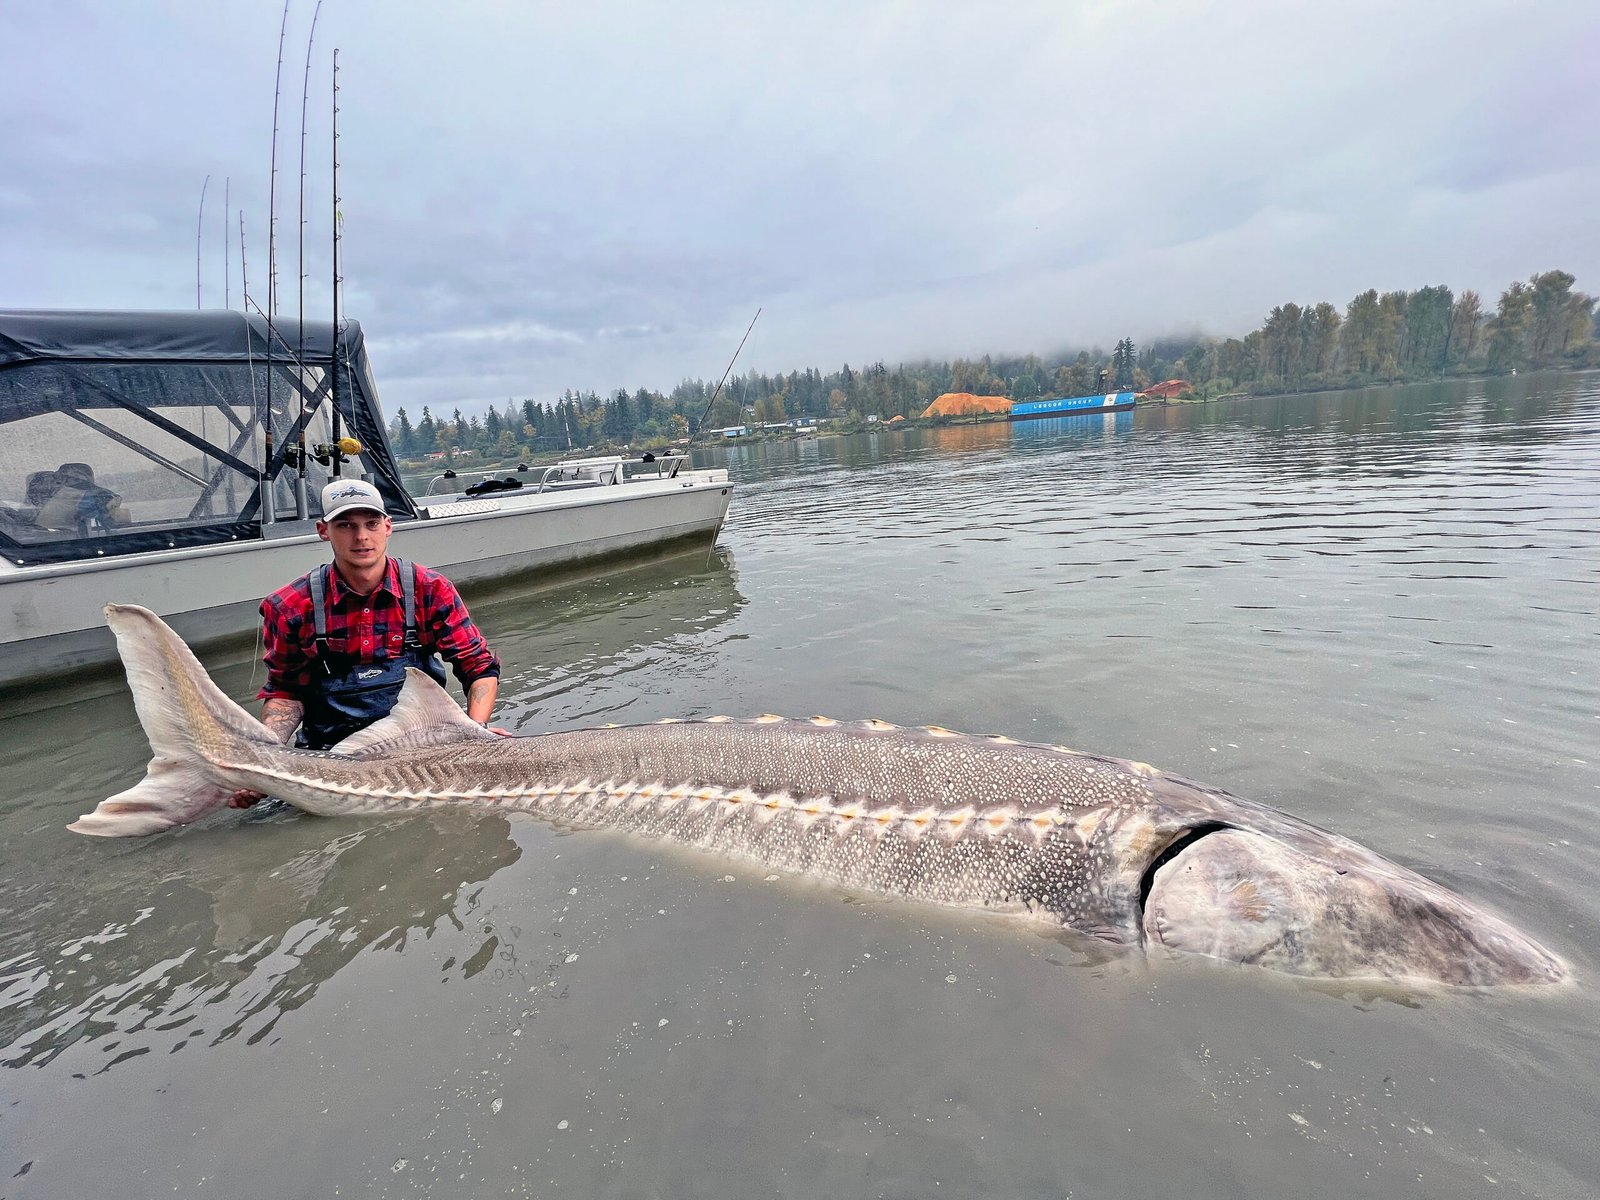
(245, 798)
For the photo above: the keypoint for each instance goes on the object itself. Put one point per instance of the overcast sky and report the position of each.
(600, 195)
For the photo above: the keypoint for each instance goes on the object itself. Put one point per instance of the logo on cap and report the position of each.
(341, 495)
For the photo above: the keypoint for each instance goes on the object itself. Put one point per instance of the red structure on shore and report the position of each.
(1167, 390)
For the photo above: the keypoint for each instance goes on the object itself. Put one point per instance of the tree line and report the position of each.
(1387, 337)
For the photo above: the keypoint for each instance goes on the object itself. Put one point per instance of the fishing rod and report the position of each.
(199, 228)
(339, 449)
(707, 411)
(244, 277)
(227, 245)
(264, 490)
(268, 504)
(302, 506)
(333, 362)
(272, 179)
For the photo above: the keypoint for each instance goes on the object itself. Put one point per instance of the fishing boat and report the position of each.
(176, 460)
(1072, 406)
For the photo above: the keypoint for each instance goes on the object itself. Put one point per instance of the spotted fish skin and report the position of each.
(1111, 848)
(922, 814)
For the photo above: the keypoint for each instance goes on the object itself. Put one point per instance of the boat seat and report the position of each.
(17, 519)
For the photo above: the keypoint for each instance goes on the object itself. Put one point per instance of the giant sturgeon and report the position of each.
(1113, 849)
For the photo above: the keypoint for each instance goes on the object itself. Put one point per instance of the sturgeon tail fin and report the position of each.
(191, 725)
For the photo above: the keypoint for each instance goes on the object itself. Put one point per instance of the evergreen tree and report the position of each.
(1122, 363)
(618, 419)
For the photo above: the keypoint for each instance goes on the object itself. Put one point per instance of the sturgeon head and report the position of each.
(1248, 884)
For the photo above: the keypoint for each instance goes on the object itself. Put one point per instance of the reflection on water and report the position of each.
(1376, 610)
(1053, 431)
(620, 647)
(236, 927)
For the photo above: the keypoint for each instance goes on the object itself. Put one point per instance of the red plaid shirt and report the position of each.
(368, 629)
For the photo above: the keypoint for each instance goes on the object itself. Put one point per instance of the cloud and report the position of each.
(600, 196)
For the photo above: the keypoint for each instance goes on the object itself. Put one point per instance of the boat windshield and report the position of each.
(101, 458)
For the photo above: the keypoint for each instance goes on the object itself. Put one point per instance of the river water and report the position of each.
(1376, 610)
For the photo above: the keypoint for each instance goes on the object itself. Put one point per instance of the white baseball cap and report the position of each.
(342, 495)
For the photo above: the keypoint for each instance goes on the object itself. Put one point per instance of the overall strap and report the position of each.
(408, 596)
(318, 580)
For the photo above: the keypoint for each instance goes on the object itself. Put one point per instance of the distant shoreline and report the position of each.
(844, 428)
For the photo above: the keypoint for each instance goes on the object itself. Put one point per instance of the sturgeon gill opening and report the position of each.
(1178, 846)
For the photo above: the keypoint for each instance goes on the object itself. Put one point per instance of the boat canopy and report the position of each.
(130, 431)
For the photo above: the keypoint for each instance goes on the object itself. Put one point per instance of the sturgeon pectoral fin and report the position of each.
(424, 715)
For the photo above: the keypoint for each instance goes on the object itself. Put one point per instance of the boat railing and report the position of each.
(568, 474)
(451, 482)
(611, 469)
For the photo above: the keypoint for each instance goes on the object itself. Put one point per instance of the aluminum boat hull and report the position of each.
(51, 618)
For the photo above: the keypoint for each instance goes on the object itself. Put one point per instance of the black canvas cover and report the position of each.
(179, 337)
(192, 418)
(136, 336)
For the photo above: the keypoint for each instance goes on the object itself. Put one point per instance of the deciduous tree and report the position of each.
(1508, 328)
(1465, 316)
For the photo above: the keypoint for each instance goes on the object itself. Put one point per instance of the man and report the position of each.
(77, 502)
(337, 639)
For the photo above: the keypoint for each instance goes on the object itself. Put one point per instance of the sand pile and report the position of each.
(965, 404)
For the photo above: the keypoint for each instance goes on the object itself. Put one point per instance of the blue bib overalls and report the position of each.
(348, 695)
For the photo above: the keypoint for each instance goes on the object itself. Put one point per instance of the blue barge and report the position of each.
(1073, 406)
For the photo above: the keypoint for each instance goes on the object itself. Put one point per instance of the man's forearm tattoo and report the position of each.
(282, 717)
